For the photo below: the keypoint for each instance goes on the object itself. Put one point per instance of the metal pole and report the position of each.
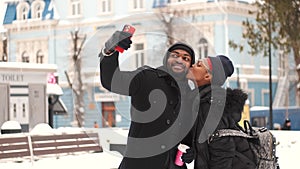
(50, 111)
(270, 71)
(238, 78)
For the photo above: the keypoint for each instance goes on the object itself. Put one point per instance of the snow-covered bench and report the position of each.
(26, 145)
(14, 146)
(65, 143)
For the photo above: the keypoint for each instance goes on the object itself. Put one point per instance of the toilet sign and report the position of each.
(51, 78)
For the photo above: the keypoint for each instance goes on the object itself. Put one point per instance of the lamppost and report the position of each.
(53, 91)
(52, 99)
(270, 69)
(238, 78)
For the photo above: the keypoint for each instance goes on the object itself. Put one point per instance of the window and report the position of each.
(15, 110)
(176, 1)
(160, 3)
(25, 57)
(105, 6)
(139, 55)
(260, 121)
(108, 114)
(203, 48)
(37, 9)
(282, 62)
(244, 84)
(75, 7)
(24, 13)
(4, 49)
(39, 57)
(265, 94)
(23, 110)
(137, 4)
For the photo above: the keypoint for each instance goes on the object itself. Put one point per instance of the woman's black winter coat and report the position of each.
(221, 152)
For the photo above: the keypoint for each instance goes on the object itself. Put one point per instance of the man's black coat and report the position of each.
(156, 100)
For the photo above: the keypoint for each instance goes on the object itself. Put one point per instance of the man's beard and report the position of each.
(176, 75)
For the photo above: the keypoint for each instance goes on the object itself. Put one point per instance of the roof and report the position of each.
(11, 11)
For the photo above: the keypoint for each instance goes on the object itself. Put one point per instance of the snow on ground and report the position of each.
(104, 160)
(288, 151)
(288, 148)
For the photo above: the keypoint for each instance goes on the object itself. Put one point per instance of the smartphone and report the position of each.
(127, 28)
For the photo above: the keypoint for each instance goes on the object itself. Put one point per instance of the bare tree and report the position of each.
(167, 15)
(77, 85)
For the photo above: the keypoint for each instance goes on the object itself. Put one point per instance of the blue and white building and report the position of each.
(39, 31)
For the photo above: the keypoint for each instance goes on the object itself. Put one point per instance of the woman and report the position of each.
(219, 109)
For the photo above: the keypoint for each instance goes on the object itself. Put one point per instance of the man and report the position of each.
(157, 96)
(219, 109)
(287, 124)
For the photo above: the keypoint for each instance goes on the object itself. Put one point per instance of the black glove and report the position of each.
(119, 38)
(189, 156)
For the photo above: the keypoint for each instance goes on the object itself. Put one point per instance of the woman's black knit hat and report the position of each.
(221, 68)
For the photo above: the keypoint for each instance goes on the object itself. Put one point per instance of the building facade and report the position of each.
(42, 32)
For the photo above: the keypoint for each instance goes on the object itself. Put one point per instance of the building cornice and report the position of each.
(30, 25)
(27, 67)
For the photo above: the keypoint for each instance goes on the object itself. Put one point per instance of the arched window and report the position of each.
(203, 48)
(39, 57)
(4, 48)
(25, 57)
(22, 11)
(37, 9)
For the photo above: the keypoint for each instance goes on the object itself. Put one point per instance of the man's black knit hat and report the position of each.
(182, 46)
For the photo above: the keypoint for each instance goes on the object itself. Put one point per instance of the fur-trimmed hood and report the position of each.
(235, 101)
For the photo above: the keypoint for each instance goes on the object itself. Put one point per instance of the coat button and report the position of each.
(168, 121)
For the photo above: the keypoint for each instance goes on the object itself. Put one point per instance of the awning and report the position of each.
(59, 108)
(54, 89)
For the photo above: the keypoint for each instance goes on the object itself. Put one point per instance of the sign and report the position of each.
(106, 97)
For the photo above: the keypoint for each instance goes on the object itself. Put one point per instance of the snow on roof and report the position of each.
(42, 128)
(11, 125)
(254, 108)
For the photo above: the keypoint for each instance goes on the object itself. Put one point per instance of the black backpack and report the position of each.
(262, 143)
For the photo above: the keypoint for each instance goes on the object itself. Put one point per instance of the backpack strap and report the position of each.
(229, 132)
(248, 128)
(215, 113)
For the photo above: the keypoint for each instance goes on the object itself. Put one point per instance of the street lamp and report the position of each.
(52, 99)
(53, 91)
(238, 78)
(270, 69)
